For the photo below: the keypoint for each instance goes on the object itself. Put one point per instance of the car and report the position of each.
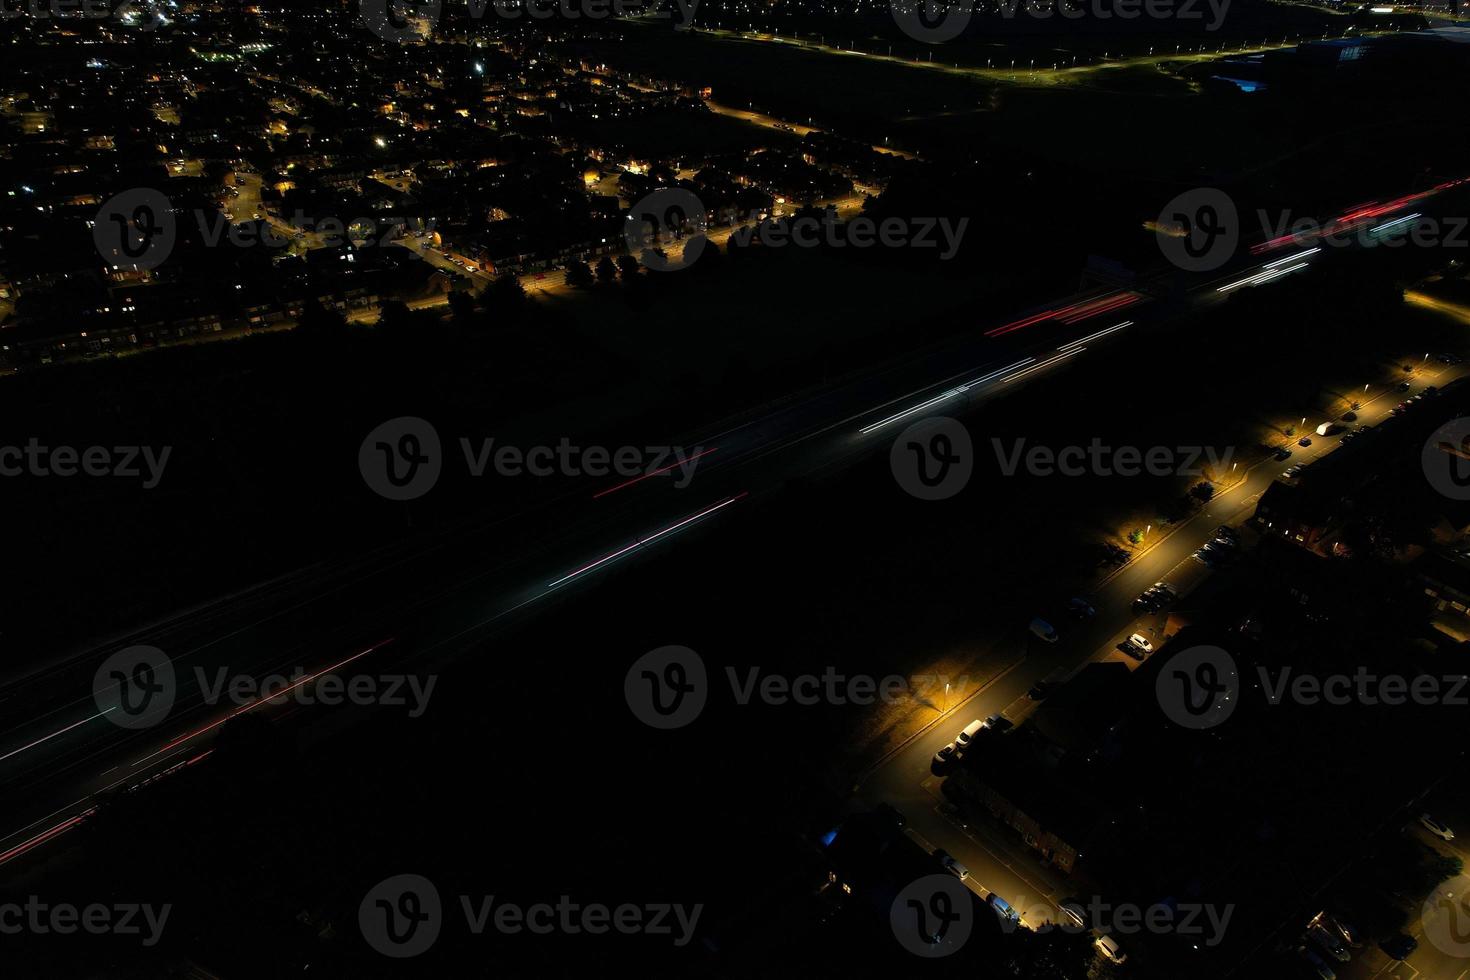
(968, 733)
(1206, 556)
(1074, 913)
(1403, 386)
(1320, 965)
(948, 863)
(1044, 630)
(1137, 646)
(1227, 534)
(1349, 437)
(1399, 408)
(1293, 471)
(1002, 908)
(998, 722)
(1329, 942)
(1431, 391)
(1346, 930)
(1304, 441)
(1349, 416)
(1166, 589)
(1282, 452)
(1039, 691)
(1148, 602)
(1108, 947)
(1399, 947)
(943, 758)
(1080, 608)
(1435, 827)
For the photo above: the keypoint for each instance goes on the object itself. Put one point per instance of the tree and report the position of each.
(318, 321)
(579, 275)
(462, 306)
(1203, 491)
(394, 314)
(627, 267)
(504, 300)
(606, 270)
(1135, 536)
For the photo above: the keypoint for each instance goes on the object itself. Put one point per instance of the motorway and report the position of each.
(429, 600)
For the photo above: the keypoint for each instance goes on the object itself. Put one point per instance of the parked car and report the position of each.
(968, 733)
(1304, 441)
(943, 759)
(1108, 947)
(1329, 942)
(1137, 646)
(948, 863)
(1293, 471)
(1074, 912)
(1039, 691)
(1399, 947)
(1044, 630)
(1346, 930)
(1349, 416)
(1282, 452)
(1317, 963)
(998, 722)
(1227, 534)
(1209, 557)
(1435, 827)
(1080, 608)
(1002, 907)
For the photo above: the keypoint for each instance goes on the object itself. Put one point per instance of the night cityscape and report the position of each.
(735, 489)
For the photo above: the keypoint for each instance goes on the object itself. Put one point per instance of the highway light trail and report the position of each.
(43, 837)
(1074, 313)
(255, 704)
(1095, 336)
(662, 469)
(648, 540)
(1379, 229)
(41, 741)
(957, 390)
(1045, 363)
(1260, 277)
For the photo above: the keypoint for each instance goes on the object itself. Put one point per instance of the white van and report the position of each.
(964, 738)
(1044, 630)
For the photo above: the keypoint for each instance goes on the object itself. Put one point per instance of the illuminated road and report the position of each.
(420, 604)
